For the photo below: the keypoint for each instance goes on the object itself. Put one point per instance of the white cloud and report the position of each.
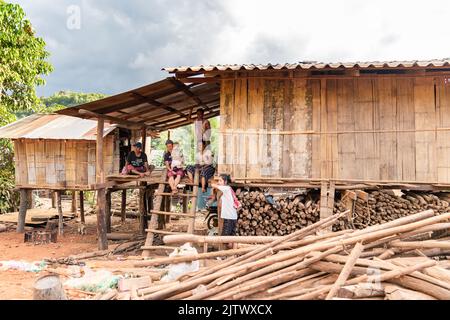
(124, 44)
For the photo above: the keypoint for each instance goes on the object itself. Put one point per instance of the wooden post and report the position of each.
(30, 203)
(74, 202)
(82, 207)
(123, 205)
(330, 201)
(185, 204)
(142, 192)
(191, 225)
(324, 200)
(108, 211)
(168, 207)
(142, 214)
(53, 199)
(101, 197)
(158, 200)
(22, 211)
(60, 214)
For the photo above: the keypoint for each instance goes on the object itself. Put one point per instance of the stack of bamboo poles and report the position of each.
(314, 264)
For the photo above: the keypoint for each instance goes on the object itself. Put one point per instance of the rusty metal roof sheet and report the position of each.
(53, 126)
(161, 105)
(308, 65)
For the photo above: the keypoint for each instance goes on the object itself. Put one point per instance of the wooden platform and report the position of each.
(35, 216)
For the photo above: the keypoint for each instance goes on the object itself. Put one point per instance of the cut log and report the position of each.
(48, 287)
(394, 292)
(119, 236)
(363, 290)
(138, 283)
(345, 273)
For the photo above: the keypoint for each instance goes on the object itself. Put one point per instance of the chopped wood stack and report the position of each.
(386, 261)
(382, 206)
(258, 217)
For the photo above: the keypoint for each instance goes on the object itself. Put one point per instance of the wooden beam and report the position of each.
(135, 102)
(101, 196)
(185, 122)
(200, 80)
(130, 124)
(143, 111)
(188, 92)
(160, 105)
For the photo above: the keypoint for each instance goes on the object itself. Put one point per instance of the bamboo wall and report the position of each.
(68, 164)
(379, 128)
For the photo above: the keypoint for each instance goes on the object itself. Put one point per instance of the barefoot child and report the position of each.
(229, 205)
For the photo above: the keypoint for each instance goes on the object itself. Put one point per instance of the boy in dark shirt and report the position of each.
(137, 162)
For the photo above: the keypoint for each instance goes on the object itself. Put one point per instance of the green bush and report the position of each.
(9, 199)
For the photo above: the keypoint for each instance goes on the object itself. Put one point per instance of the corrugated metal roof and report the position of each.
(307, 65)
(161, 105)
(53, 126)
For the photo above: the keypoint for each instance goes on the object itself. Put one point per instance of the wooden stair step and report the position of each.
(184, 183)
(168, 213)
(163, 231)
(158, 248)
(175, 194)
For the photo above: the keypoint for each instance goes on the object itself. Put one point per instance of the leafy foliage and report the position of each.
(23, 60)
(185, 137)
(9, 199)
(23, 63)
(65, 99)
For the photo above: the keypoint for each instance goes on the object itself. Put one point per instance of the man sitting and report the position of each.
(137, 162)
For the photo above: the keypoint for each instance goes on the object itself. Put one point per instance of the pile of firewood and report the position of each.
(378, 207)
(394, 260)
(259, 217)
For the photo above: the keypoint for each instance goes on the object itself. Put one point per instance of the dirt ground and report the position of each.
(16, 284)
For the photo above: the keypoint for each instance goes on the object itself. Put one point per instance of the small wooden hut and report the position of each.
(57, 152)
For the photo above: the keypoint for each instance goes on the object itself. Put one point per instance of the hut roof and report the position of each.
(162, 105)
(53, 126)
(311, 65)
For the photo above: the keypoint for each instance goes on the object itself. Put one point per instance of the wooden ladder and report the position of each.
(157, 205)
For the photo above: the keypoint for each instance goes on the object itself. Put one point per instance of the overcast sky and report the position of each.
(120, 45)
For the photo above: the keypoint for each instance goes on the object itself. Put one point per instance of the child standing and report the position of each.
(229, 205)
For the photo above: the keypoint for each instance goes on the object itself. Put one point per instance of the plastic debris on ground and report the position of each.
(36, 266)
(94, 281)
(177, 270)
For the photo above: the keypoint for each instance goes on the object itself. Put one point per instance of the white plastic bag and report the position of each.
(36, 266)
(94, 281)
(177, 270)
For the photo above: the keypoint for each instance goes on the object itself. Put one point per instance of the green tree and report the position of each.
(65, 99)
(23, 63)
